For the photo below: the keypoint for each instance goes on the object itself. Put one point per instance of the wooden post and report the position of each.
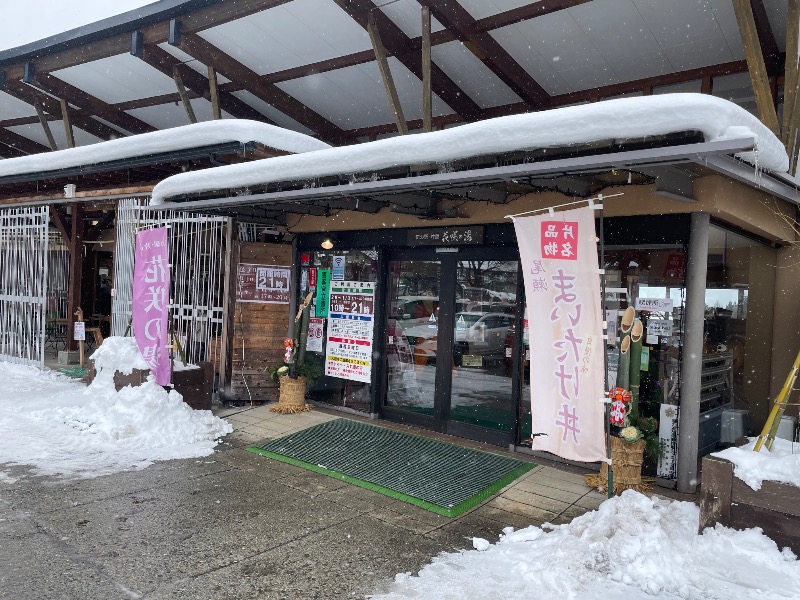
(755, 64)
(427, 103)
(75, 269)
(214, 88)
(187, 105)
(37, 104)
(386, 74)
(791, 82)
(67, 124)
(715, 493)
(79, 318)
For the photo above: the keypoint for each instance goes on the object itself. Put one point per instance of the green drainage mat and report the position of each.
(440, 477)
(78, 372)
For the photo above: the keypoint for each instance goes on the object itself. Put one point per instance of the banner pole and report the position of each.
(605, 348)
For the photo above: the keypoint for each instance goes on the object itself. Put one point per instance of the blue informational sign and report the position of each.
(338, 268)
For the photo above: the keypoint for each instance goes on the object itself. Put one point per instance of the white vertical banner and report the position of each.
(565, 313)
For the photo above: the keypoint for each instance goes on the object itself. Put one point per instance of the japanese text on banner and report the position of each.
(562, 288)
(150, 307)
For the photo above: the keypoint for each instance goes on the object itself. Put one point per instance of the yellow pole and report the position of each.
(773, 421)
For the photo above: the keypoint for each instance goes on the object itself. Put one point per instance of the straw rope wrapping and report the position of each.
(627, 461)
(292, 397)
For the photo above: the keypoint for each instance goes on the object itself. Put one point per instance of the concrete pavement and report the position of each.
(237, 525)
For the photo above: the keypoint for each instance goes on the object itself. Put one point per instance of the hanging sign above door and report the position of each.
(445, 236)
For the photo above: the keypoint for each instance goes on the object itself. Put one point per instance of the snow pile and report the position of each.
(632, 547)
(619, 119)
(782, 463)
(118, 354)
(197, 135)
(60, 427)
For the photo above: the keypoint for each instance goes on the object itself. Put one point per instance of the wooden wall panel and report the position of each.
(258, 330)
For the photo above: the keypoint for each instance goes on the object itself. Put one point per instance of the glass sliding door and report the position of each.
(412, 335)
(449, 347)
(481, 388)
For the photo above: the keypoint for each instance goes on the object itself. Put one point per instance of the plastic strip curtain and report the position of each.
(197, 259)
(23, 283)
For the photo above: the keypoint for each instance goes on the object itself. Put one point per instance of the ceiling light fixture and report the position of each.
(327, 243)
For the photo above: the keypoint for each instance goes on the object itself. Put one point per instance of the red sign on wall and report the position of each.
(674, 267)
(559, 240)
(263, 283)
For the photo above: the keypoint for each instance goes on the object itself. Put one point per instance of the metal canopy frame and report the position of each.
(134, 162)
(710, 154)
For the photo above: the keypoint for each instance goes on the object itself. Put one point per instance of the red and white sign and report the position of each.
(558, 240)
(348, 353)
(316, 328)
(562, 288)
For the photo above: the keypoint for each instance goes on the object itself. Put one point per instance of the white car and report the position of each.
(475, 333)
(482, 333)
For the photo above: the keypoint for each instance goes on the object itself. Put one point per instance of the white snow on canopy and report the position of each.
(197, 135)
(622, 118)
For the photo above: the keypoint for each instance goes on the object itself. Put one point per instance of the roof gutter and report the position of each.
(208, 152)
(163, 10)
(781, 185)
(617, 160)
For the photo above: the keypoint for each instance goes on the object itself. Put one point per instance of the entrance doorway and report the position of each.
(449, 341)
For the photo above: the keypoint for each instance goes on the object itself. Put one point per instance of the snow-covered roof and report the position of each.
(619, 119)
(198, 135)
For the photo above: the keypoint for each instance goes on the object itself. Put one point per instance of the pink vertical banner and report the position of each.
(151, 301)
(562, 289)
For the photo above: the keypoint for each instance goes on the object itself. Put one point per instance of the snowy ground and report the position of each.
(58, 426)
(632, 547)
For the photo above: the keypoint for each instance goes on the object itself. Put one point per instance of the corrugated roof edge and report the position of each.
(125, 22)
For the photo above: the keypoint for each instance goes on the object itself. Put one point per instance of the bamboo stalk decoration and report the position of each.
(637, 334)
(624, 368)
(303, 337)
(627, 323)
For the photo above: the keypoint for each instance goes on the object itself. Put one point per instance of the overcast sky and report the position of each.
(27, 21)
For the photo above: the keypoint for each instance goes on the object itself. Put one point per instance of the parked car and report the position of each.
(482, 333)
(475, 334)
(423, 340)
(416, 310)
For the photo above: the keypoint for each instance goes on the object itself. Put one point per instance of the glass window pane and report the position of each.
(359, 266)
(481, 367)
(412, 332)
